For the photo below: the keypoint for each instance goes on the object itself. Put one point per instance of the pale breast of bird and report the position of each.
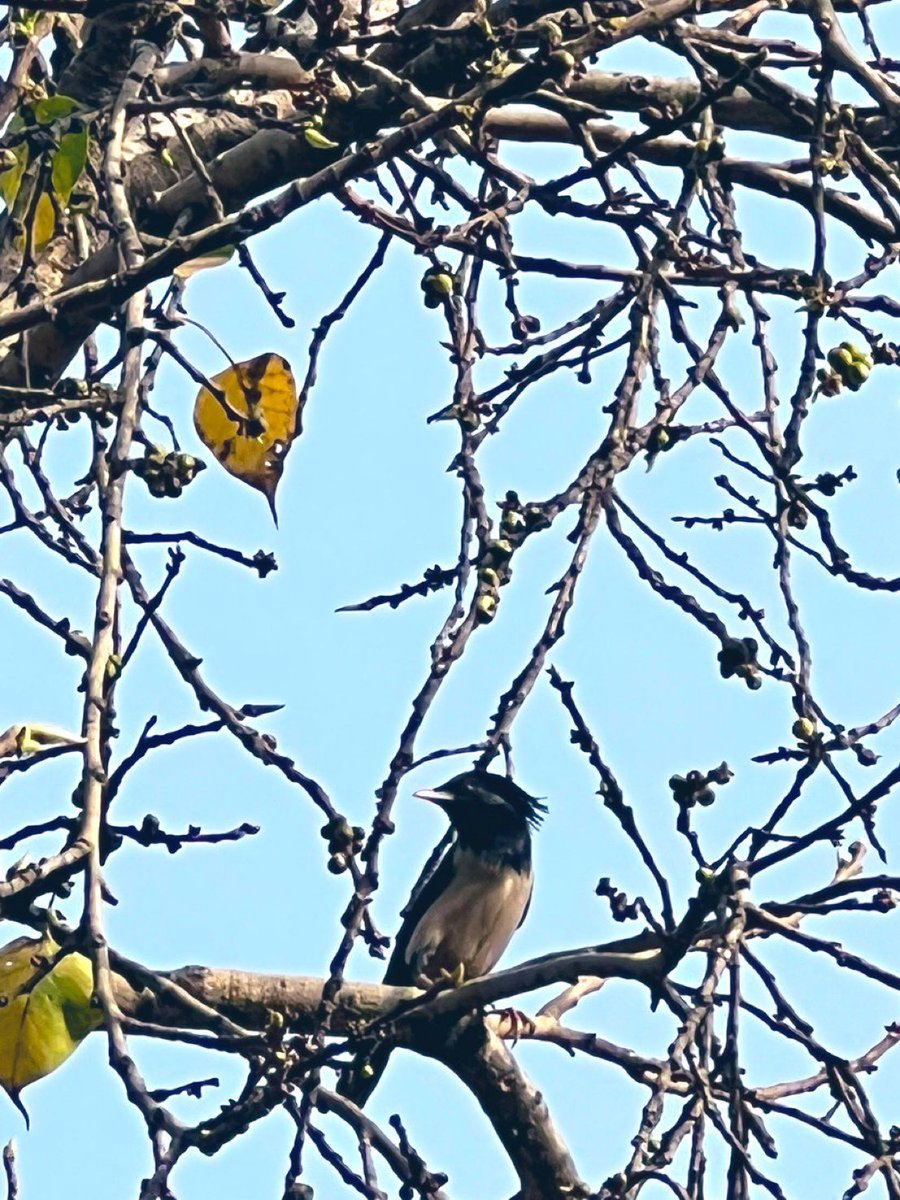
(473, 921)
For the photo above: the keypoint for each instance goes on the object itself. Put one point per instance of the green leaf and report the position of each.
(215, 258)
(68, 162)
(53, 108)
(11, 179)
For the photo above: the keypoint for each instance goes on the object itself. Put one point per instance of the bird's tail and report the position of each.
(359, 1080)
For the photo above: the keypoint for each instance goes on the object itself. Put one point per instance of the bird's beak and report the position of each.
(435, 796)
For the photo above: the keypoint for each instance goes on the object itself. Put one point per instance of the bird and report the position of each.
(461, 921)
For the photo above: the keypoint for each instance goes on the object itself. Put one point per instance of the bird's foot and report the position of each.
(443, 979)
(456, 977)
(513, 1024)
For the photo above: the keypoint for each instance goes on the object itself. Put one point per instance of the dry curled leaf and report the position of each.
(251, 425)
(214, 258)
(31, 738)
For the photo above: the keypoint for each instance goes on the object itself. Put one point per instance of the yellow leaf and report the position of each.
(44, 221)
(41, 1022)
(12, 178)
(318, 140)
(252, 431)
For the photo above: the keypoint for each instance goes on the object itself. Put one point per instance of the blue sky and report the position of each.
(366, 504)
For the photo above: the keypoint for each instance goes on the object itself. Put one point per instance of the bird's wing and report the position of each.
(358, 1079)
(399, 973)
(527, 905)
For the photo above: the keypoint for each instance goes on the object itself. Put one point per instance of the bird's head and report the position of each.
(482, 806)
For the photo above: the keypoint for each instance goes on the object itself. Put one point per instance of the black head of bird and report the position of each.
(463, 916)
(490, 815)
